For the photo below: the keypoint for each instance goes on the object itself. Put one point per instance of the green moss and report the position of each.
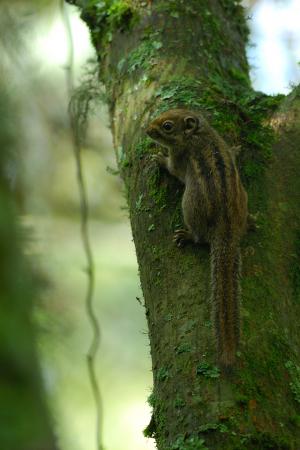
(252, 391)
(120, 15)
(235, 11)
(144, 56)
(213, 26)
(254, 109)
(178, 7)
(213, 427)
(176, 220)
(124, 161)
(158, 420)
(249, 387)
(150, 430)
(241, 399)
(265, 441)
(107, 16)
(179, 402)
(208, 370)
(143, 147)
(294, 372)
(151, 400)
(169, 317)
(188, 326)
(138, 203)
(295, 268)
(184, 347)
(162, 374)
(181, 91)
(191, 443)
(156, 191)
(295, 420)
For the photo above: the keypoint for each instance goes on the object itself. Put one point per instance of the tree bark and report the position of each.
(154, 56)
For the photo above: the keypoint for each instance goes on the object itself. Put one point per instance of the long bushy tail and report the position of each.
(225, 272)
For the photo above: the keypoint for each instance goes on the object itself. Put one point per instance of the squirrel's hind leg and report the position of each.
(183, 237)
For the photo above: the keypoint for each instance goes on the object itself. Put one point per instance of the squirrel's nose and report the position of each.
(150, 130)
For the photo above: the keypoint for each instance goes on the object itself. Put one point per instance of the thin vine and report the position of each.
(78, 124)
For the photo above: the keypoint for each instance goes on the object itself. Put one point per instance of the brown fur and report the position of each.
(214, 206)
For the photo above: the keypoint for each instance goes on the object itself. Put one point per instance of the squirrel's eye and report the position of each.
(168, 126)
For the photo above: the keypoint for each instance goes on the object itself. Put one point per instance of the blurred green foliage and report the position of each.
(24, 423)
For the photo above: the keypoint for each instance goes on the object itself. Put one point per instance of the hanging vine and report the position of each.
(78, 123)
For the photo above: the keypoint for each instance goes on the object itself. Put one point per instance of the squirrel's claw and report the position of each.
(160, 158)
(181, 237)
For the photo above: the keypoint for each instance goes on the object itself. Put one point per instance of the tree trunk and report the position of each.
(154, 56)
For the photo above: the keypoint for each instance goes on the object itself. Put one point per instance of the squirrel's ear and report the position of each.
(191, 124)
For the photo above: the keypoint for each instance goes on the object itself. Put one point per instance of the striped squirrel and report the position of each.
(214, 206)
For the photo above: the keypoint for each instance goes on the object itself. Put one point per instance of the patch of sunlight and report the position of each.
(50, 44)
(135, 417)
(275, 53)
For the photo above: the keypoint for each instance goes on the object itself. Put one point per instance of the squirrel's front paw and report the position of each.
(160, 158)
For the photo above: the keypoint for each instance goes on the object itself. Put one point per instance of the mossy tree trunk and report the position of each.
(154, 56)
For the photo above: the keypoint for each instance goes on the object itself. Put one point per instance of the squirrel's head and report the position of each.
(175, 127)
